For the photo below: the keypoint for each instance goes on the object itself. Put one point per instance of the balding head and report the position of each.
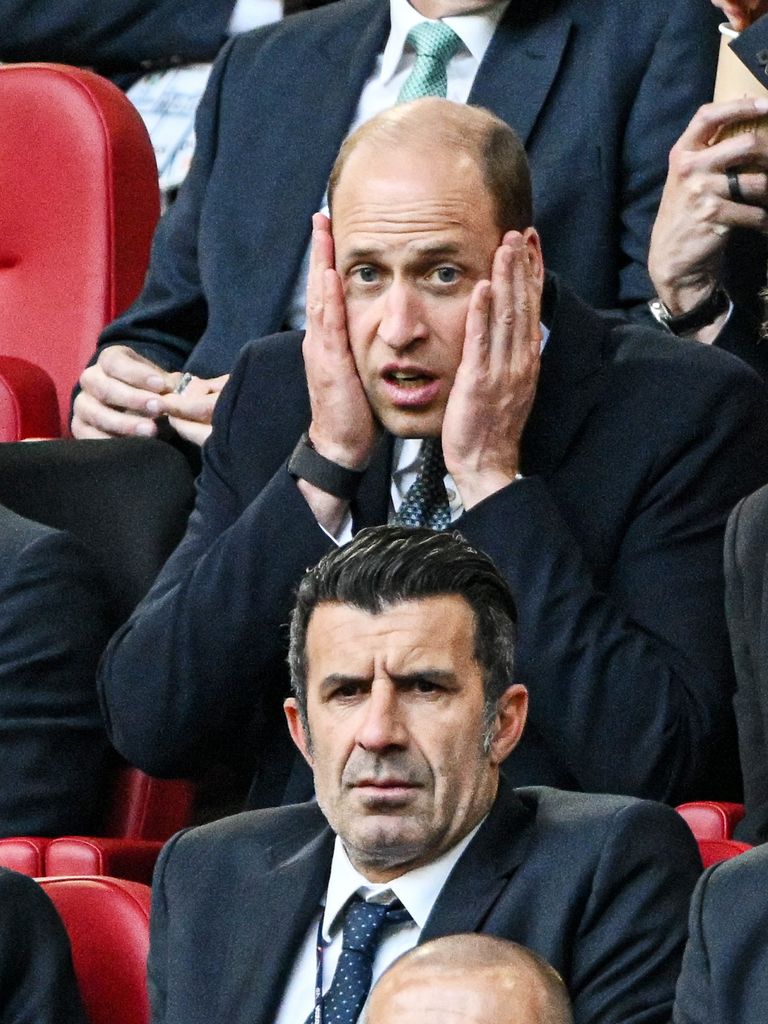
(469, 979)
(469, 134)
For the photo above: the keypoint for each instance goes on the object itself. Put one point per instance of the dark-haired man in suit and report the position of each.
(598, 475)
(404, 706)
(597, 89)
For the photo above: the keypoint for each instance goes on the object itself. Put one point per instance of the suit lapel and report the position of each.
(483, 870)
(572, 378)
(322, 109)
(290, 895)
(521, 63)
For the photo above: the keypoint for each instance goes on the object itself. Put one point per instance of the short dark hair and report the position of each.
(474, 131)
(386, 565)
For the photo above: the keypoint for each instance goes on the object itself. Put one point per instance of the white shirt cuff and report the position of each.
(250, 14)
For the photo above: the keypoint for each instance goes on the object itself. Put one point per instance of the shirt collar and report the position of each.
(474, 30)
(417, 890)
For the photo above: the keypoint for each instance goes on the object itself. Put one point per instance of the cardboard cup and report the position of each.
(734, 81)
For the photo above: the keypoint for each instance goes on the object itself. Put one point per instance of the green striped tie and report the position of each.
(435, 43)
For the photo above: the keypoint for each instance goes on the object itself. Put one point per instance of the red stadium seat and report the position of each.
(711, 819)
(714, 850)
(79, 203)
(107, 920)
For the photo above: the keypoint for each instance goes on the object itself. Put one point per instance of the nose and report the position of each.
(382, 725)
(402, 320)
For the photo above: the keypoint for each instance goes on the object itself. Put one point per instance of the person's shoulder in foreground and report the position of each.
(37, 981)
(724, 979)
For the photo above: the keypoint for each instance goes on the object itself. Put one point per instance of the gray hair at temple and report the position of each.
(430, 123)
(469, 979)
(387, 565)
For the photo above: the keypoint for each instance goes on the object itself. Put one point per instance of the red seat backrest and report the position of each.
(107, 920)
(78, 206)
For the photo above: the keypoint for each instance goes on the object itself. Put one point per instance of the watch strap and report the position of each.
(702, 314)
(306, 463)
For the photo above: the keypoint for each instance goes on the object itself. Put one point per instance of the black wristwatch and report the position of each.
(308, 464)
(703, 313)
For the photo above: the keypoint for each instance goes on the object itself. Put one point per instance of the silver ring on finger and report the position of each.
(734, 186)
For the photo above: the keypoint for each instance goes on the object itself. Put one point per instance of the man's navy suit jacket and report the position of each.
(637, 447)
(724, 979)
(598, 90)
(746, 605)
(55, 622)
(599, 886)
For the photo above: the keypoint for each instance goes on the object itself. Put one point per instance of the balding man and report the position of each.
(598, 475)
(469, 979)
(593, 87)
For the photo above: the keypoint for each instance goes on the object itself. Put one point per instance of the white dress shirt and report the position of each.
(417, 890)
(393, 65)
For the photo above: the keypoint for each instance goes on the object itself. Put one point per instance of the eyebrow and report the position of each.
(416, 252)
(437, 675)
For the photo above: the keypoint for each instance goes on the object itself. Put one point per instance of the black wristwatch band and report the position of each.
(308, 464)
(702, 314)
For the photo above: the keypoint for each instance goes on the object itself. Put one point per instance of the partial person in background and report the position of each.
(160, 51)
(469, 979)
(746, 607)
(707, 257)
(593, 87)
(724, 979)
(55, 622)
(37, 981)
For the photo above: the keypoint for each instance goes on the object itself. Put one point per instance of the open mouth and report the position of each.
(408, 378)
(410, 387)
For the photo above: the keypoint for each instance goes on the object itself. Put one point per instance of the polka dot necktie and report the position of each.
(364, 924)
(426, 503)
(435, 43)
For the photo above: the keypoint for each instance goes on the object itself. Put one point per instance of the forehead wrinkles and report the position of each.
(407, 215)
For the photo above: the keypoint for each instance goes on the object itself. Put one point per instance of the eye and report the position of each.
(423, 685)
(344, 691)
(446, 275)
(366, 274)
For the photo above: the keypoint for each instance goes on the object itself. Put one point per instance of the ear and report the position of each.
(511, 713)
(535, 257)
(296, 729)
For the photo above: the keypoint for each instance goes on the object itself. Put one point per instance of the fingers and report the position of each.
(503, 331)
(196, 403)
(710, 118)
(91, 418)
(197, 433)
(321, 258)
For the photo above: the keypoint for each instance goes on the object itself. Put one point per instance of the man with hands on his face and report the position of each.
(596, 464)
(229, 259)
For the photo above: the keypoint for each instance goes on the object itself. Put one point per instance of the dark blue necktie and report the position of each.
(426, 503)
(364, 924)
